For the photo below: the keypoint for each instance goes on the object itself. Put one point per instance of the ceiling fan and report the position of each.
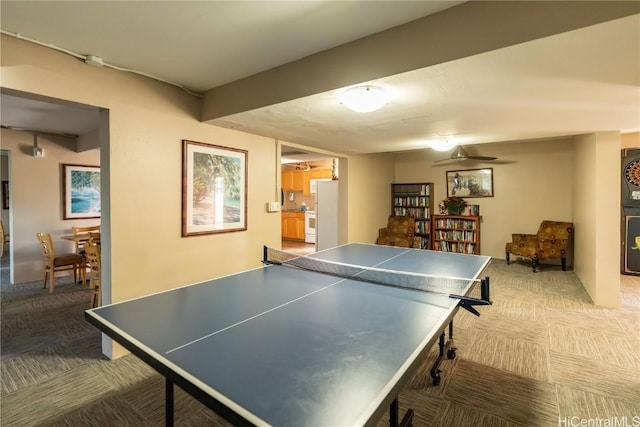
(460, 153)
(304, 166)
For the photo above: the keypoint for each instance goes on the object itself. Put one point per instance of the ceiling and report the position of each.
(566, 83)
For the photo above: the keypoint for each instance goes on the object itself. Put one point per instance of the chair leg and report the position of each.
(564, 264)
(52, 284)
(507, 256)
(95, 296)
(44, 279)
(534, 263)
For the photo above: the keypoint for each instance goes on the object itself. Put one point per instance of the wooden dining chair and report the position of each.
(62, 262)
(79, 246)
(93, 255)
(4, 238)
(94, 237)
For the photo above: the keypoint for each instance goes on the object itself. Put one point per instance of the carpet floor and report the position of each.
(541, 355)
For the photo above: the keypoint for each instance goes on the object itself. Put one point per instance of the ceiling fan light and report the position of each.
(364, 99)
(441, 144)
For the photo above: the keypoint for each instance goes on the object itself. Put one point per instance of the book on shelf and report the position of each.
(411, 189)
(455, 223)
(411, 201)
(472, 210)
(421, 242)
(422, 227)
(417, 213)
(457, 247)
(458, 235)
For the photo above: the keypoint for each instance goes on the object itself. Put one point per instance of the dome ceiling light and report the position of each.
(441, 144)
(364, 99)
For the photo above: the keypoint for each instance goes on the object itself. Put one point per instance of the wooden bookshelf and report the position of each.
(415, 199)
(456, 233)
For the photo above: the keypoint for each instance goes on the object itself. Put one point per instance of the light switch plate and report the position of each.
(273, 206)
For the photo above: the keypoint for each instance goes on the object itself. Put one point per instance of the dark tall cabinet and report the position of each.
(630, 212)
(415, 199)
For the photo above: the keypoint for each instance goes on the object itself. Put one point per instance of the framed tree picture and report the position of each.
(470, 183)
(214, 189)
(81, 191)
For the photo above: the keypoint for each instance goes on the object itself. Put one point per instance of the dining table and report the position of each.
(77, 238)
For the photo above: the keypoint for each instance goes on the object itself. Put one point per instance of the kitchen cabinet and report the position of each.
(293, 225)
(293, 180)
(324, 173)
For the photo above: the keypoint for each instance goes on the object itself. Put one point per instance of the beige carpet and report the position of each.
(540, 355)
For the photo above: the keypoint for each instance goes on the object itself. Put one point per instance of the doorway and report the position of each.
(6, 264)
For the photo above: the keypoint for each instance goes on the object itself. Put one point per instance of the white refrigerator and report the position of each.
(326, 215)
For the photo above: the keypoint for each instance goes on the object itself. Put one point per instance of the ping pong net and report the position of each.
(406, 280)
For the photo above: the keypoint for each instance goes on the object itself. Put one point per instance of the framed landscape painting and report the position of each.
(214, 189)
(470, 183)
(81, 191)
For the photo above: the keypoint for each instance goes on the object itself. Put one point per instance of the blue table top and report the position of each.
(283, 346)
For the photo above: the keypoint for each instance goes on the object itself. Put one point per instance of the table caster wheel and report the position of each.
(451, 353)
(436, 380)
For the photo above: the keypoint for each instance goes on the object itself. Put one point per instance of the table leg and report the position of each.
(168, 403)
(394, 413)
(443, 347)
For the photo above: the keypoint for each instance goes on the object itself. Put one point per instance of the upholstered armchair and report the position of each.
(399, 232)
(551, 241)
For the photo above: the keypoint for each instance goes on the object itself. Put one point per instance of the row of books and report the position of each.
(412, 189)
(421, 242)
(454, 223)
(459, 235)
(411, 201)
(472, 210)
(422, 227)
(469, 210)
(418, 213)
(461, 248)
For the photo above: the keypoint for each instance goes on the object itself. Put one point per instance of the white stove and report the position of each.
(310, 226)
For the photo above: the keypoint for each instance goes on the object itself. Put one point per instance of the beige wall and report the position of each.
(148, 120)
(630, 140)
(596, 198)
(36, 185)
(369, 189)
(564, 180)
(141, 159)
(532, 181)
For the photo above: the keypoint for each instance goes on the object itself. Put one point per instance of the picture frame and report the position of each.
(5, 195)
(470, 183)
(214, 189)
(81, 197)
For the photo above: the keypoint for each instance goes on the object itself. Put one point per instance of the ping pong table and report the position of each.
(290, 347)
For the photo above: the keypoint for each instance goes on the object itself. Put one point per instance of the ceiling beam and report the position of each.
(468, 29)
